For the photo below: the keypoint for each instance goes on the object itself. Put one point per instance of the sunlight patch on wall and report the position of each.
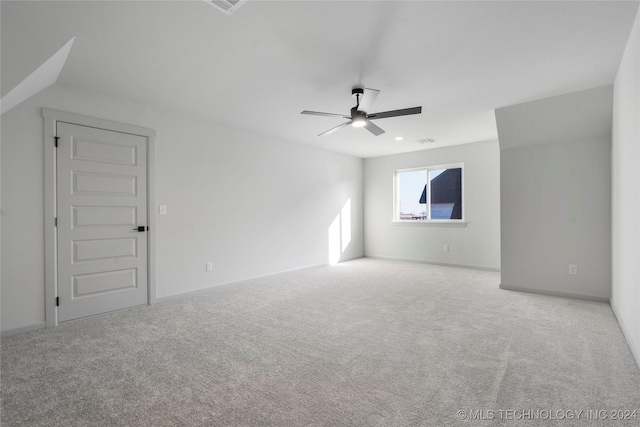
(345, 222)
(340, 234)
(334, 241)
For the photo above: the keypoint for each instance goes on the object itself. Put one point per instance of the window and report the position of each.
(429, 194)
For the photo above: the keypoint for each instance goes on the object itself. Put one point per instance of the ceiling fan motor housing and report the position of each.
(357, 113)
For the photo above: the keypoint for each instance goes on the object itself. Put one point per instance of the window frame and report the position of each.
(396, 196)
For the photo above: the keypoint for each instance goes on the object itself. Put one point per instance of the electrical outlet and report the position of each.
(446, 248)
(209, 266)
(573, 269)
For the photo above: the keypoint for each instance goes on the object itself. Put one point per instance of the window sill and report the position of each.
(432, 223)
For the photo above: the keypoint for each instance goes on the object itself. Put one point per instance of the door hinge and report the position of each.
(57, 301)
(55, 141)
(55, 221)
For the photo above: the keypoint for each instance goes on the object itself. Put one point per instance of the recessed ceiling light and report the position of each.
(398, 138)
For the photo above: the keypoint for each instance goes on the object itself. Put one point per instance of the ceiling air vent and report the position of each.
(226, 6)
(426, 140)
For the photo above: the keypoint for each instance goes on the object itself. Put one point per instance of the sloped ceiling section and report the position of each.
(579, 116)
(43, 77)
(261, 66)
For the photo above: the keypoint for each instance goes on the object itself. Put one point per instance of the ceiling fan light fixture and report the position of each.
(359, 119)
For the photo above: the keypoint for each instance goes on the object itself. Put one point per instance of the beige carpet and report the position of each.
(364, 343)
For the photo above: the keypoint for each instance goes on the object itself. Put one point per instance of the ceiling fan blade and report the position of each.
(373, 128)
(317, 113)
(368, 97)
(335, 128)
(395, 113)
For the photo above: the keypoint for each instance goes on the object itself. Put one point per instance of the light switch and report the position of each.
(163, 209)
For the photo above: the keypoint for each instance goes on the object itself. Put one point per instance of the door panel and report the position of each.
(101, 200)
(92, 250)
(106, 153)
(87, 216)
(86, 183)
(100, 283)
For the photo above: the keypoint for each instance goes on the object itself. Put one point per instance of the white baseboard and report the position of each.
(22, 330)
(209, 288)
(633, 346)
(445, 264)
(554, 293)
(42, 325)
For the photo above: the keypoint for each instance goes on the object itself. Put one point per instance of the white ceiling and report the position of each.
(258, 68)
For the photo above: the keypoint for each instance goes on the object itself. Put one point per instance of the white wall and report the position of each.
(251, 204)
(476, 245)
(625, 291)
(556, 194)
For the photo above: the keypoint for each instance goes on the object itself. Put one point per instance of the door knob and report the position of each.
(140, 229)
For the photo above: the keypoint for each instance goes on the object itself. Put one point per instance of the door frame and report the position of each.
(51, 118)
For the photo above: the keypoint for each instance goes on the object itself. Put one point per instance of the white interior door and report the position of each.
(101, 202)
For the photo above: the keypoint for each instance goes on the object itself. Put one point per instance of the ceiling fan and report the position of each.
(359, 116)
